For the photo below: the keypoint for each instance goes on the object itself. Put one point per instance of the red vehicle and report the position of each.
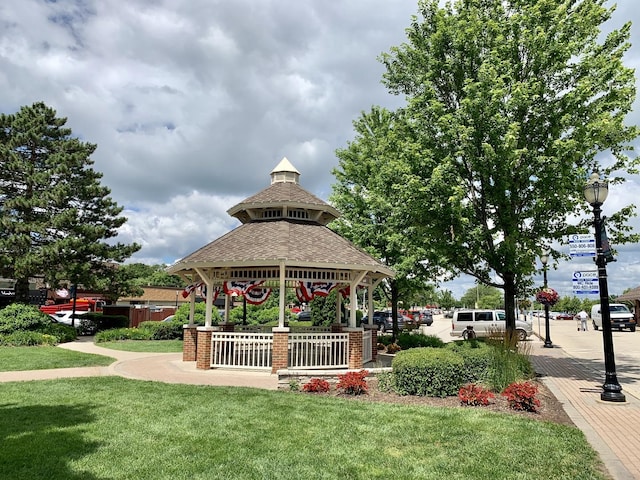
(82, 305)
(564, 316)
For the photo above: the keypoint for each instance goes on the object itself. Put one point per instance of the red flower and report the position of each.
(547, 296)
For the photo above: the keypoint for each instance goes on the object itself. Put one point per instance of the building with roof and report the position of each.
(283, 242)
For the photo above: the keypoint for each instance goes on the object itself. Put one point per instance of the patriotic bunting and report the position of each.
(257, 296)
(346, 291)
(307, 291)
(302, 294)
(190, 288)
(216, 291)
(240, 288)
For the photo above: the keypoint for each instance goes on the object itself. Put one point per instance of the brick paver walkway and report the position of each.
(613, 429)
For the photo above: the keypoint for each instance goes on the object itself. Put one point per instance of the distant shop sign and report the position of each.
(582, 245)
(586, 283)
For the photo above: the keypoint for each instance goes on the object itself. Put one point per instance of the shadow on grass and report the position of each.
(41, 441)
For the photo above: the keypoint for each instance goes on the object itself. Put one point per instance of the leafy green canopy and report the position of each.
(55, 216)
(370, 197)
(510, 105)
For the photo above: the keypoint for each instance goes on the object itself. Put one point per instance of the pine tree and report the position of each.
(55, 216)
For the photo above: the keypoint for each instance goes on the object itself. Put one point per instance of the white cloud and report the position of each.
(193, 102)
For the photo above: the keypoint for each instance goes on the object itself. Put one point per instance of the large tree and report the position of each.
(512, 104)
(55, 216)
(369, 194)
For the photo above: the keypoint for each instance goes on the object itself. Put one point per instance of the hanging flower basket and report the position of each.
(547, 296)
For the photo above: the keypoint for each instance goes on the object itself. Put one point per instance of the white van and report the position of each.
(485, 322)
(621, 317)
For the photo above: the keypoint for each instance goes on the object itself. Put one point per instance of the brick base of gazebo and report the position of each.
(197, 346)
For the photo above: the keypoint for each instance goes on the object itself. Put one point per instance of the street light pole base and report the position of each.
(548, 344)
(612, 392)
(613, 397)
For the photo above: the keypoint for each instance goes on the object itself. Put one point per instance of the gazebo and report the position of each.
(283, 242)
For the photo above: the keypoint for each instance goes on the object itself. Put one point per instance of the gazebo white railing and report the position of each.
(241, 350)
(367, 346)
(318, 350)
(308, 350)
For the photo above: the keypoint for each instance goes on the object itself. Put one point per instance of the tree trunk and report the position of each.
(22, 291)
(509, 303)
(394, 309)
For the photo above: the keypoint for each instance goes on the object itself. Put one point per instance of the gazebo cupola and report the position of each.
(284, 172)
(285, 200)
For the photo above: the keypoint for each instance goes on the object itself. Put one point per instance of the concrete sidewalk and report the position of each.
(611, 428)
(160, 367)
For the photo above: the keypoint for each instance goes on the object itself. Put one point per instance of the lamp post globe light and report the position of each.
(595, 192)
(544, 258)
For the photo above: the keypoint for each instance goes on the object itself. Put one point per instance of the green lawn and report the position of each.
(42, 358)
(115, 428)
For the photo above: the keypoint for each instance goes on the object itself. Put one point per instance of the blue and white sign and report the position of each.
(586, 283)
(582, 245)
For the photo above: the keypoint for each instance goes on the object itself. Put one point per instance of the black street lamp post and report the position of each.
(544, 258)
(595, 192)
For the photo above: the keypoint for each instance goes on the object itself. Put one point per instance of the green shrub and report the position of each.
(477, 357)
(17, 316)
(122, 334)
(62, 333)
(434, 372)
(23, 338)
(164, 330)
(386, 382)
(407, 340)
(385, 339)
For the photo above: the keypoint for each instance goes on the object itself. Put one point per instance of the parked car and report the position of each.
(304, 316)
(564, 316)
(422, 317)
(65, 317)
(621, 317)
(481, 323)
(427, 318)
(384, 321)
(169, 319)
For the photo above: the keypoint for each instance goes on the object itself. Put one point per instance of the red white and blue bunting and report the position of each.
(307, 291)
(191, 288)
(240, 288)
(257, 295)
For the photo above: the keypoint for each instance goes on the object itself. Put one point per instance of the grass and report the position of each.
(160, 346)
(116, 428)
(41, 358)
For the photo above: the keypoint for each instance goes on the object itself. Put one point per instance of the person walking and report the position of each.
(583, 316)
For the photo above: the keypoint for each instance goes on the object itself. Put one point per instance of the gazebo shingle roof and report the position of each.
(272, 241)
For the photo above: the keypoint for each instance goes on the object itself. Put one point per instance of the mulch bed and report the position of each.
(550, 410)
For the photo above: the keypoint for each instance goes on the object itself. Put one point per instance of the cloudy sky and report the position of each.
(193, 102)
